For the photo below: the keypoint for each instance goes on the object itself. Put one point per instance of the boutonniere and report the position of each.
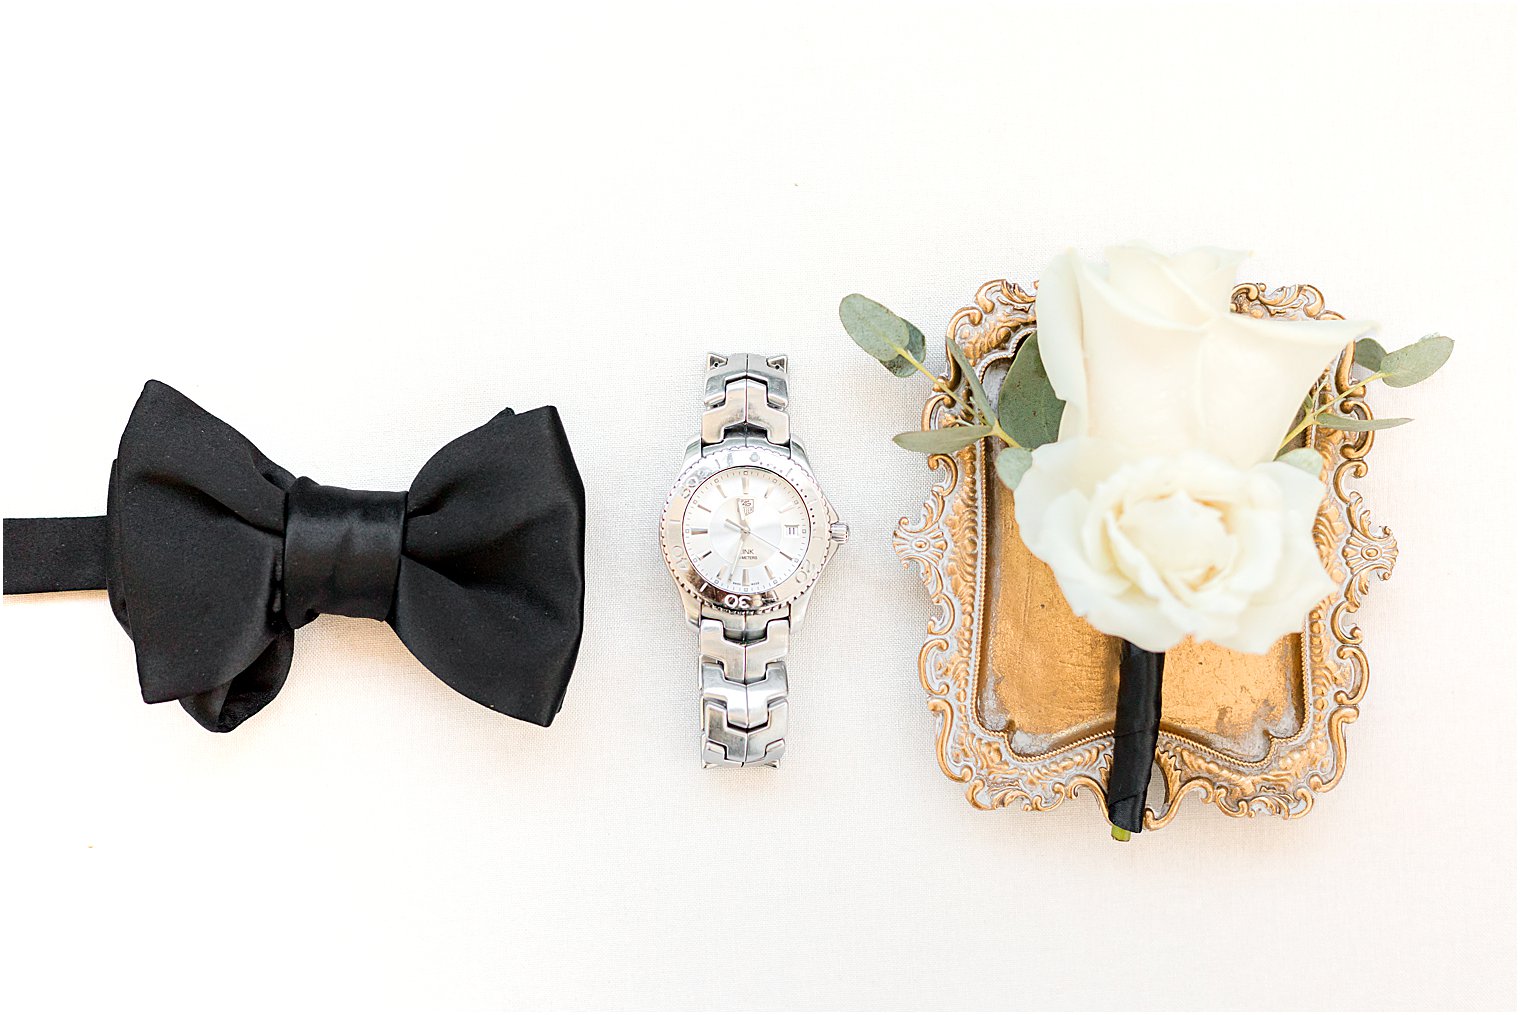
(1151, 436)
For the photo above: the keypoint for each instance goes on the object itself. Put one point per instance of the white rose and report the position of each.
(1149, 353)
(1156, 548)
(1160, 510)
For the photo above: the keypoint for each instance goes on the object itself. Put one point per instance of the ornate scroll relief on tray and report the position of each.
(1023, 690)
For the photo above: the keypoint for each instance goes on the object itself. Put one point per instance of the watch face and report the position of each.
(746, 530)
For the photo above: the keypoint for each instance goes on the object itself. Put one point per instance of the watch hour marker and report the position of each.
(745, 544)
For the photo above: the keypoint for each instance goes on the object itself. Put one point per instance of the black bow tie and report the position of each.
(213, 555)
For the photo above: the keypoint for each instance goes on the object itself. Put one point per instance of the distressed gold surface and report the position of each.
(1232, 701)
(1023, 691)
(1052, 674)
(1054, 677)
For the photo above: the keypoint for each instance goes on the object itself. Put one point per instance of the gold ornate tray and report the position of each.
(1023, 690)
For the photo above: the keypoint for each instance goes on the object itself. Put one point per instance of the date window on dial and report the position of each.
(791, 530)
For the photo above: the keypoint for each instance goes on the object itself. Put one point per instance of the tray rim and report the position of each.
(946, 544)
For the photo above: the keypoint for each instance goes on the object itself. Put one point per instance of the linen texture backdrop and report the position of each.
(356, 232)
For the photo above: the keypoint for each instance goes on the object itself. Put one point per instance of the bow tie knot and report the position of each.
(342, 552)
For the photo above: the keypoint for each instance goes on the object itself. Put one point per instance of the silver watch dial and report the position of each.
(746, 530)
(747, 548)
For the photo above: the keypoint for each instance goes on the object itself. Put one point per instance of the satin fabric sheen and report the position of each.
(1137, 727)
(213, 555)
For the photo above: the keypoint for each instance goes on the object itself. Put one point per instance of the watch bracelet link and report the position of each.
(742, 670)
(745, 396)
(743, 696)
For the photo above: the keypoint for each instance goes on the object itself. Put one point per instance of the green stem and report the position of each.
(1303, 425)
(935, 379)
(997, 429)
(1002, 435)
(1313, 413)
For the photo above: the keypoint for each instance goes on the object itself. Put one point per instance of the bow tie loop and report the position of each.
(342, 552)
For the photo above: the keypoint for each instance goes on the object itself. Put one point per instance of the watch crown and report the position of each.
(839, 532)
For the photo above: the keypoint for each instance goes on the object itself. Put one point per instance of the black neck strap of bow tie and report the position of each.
(56, 554)
(342, 552)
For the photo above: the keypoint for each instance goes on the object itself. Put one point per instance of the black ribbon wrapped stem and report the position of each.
(1137, 726)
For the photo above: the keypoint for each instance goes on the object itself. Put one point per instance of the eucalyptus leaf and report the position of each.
(1307, 459)
(978, 393)
(1370, 353)
(941, 442)
(1413, 363)
(1335, 422)
(1027, 407)
(1012, 463)
(892, 341)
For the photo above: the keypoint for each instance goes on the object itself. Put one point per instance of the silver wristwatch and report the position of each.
(746, 531)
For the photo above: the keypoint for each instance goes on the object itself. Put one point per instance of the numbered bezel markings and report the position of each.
(673, 545)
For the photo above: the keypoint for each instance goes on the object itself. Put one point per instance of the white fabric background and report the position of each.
(355, 233)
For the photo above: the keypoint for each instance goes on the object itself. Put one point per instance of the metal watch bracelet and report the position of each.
(743, 665)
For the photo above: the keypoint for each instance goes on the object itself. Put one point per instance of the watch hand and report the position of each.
(743, 529)
(762, 539)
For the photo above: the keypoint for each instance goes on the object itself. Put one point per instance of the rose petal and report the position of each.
(1058, 544)
(1192, 288)
(1132, 617)
(1058, 318)
(1133, 564)
(1141, 371)
(1252, 376)
(1209, 273)
(1300, 581)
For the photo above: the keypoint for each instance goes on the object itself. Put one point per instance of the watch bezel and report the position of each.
(673, 545)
